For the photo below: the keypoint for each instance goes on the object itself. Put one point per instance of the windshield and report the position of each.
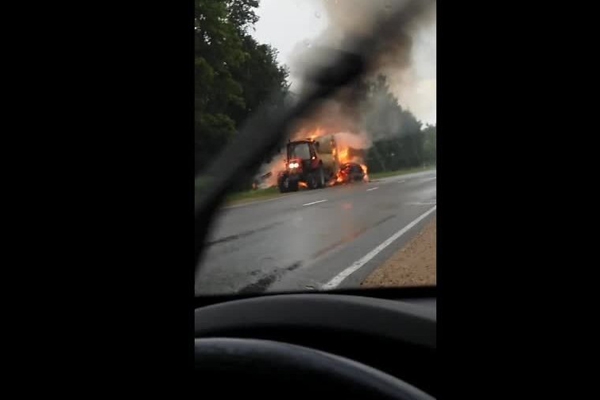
(299, 150)
(359, 78)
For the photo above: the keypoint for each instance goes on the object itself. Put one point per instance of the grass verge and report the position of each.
(386, 174)
(272, 192)
(260, 194)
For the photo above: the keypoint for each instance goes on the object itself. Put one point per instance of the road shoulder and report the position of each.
(412, 265)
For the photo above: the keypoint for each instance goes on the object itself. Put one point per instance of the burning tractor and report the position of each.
(310, 162)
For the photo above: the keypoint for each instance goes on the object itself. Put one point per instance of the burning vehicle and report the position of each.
(320, 161)
(352, 172)
(312, 159)
(310, 162)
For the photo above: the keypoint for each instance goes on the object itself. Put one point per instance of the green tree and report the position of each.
(241, 14)
(429, 145)
(260, 77)
(217, 48)
(397, 134)
(234, 75)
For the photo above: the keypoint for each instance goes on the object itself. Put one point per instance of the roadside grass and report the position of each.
(239, 197)
(259, 194)
(272, 192)
(386, 174)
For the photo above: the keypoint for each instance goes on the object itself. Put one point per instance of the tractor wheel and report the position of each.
(284, 185)
(312, 181)
(321, 178)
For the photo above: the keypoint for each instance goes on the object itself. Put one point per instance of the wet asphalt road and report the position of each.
(302, 240)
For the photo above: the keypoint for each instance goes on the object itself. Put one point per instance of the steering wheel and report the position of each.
(278, 370)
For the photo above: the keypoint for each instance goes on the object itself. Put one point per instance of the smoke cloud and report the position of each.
(405, 55)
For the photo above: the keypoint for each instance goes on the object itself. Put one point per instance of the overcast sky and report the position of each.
(285, 24)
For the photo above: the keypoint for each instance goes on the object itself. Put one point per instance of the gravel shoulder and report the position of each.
(413, 265)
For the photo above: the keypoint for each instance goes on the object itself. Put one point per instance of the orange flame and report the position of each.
(366, 177)
(344, 142)
(343, 155)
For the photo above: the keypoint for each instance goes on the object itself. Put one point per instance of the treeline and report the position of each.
(234, 74)
(399, 139)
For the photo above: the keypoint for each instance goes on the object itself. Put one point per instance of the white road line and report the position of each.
(402, 181)
(314, 202)
(427, 203)
(336, 280)
(375, 188)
